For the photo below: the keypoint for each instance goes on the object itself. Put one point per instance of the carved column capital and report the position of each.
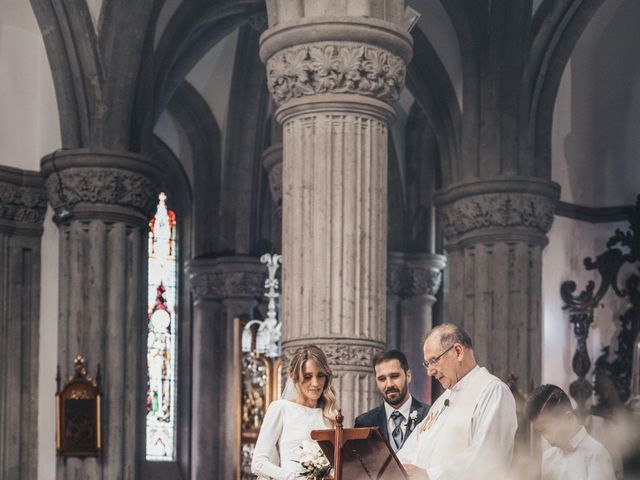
(398, 279)
(335, 67)
(118, 186)
(502, 209)
(425, 272)
(323, 51)
(217, 279)
(410, 274)
(23, 201)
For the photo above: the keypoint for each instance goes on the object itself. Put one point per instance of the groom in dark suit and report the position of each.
(400, 412)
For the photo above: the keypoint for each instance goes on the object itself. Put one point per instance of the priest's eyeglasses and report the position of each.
(434, 361)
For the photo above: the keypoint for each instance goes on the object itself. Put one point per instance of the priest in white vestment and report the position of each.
(470, 429)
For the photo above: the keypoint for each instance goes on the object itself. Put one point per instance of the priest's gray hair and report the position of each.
(451, 333)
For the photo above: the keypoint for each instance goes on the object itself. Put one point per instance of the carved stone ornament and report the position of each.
(95, 185)
(335, 68)
(259, 22)
(338, 354)
(513, 210)
(398, 279)
(275, 183)
(425, 280)
(222, 285)
(415, 275)
(22, 204)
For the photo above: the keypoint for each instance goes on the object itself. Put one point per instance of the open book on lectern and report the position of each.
(365, 454)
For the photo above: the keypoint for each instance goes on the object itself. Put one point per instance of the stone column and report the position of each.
(424, 271)
(23, 203)
(413, 283)
(272, 163)
(397, 288)
(495, 231)
(334, 69)
(103, 201)
(224, 288)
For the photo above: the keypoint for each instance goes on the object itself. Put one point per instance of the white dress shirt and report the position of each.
(489, 436)
(587, 460)
(284, 428)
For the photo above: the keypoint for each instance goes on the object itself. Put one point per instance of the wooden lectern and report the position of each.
(359, 453)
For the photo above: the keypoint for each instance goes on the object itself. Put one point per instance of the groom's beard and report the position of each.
(394, 396)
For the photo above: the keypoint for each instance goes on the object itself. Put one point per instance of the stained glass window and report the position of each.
(161, 335)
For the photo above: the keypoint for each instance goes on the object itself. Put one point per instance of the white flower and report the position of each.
(315, 465)
(412, 419)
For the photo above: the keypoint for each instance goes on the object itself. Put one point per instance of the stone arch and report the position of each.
(431, 86)
(193, 114)
(423, 178)
(192, 31)
(396, 200)
(557, 27)
(96, 78)
(72, 60)
(244, 181)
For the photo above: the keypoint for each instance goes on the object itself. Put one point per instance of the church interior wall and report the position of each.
(594, 159)
(48, 349)
(616, 68)
(30, 126)
(597, 113)
(30, 129)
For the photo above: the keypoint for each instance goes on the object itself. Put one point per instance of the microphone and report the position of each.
(446, 402)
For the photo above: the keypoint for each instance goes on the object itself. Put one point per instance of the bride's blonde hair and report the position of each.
(327, 400)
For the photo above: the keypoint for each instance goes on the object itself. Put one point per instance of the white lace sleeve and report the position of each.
(265, 461)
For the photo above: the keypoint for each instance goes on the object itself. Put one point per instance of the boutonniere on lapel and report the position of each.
(412, 419)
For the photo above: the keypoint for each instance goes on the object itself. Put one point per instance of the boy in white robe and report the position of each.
(574, 454)
(469, 431)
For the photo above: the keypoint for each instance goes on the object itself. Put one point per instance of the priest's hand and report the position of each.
(415, 473)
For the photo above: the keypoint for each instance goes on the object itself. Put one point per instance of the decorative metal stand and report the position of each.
(268, 336)
(79, 413)
(612, 377)
(261, 367)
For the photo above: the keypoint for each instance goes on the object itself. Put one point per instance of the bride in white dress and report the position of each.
(308, 403)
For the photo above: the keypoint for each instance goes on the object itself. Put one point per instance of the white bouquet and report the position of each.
(315, 465)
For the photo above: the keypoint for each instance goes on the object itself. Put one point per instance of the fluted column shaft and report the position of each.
(495, 232)
(23, 204)
(224, 288)
(397, 281)
(334, 75)
(425, 274)
(103, 201)
(334, 242)
(412, 285)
